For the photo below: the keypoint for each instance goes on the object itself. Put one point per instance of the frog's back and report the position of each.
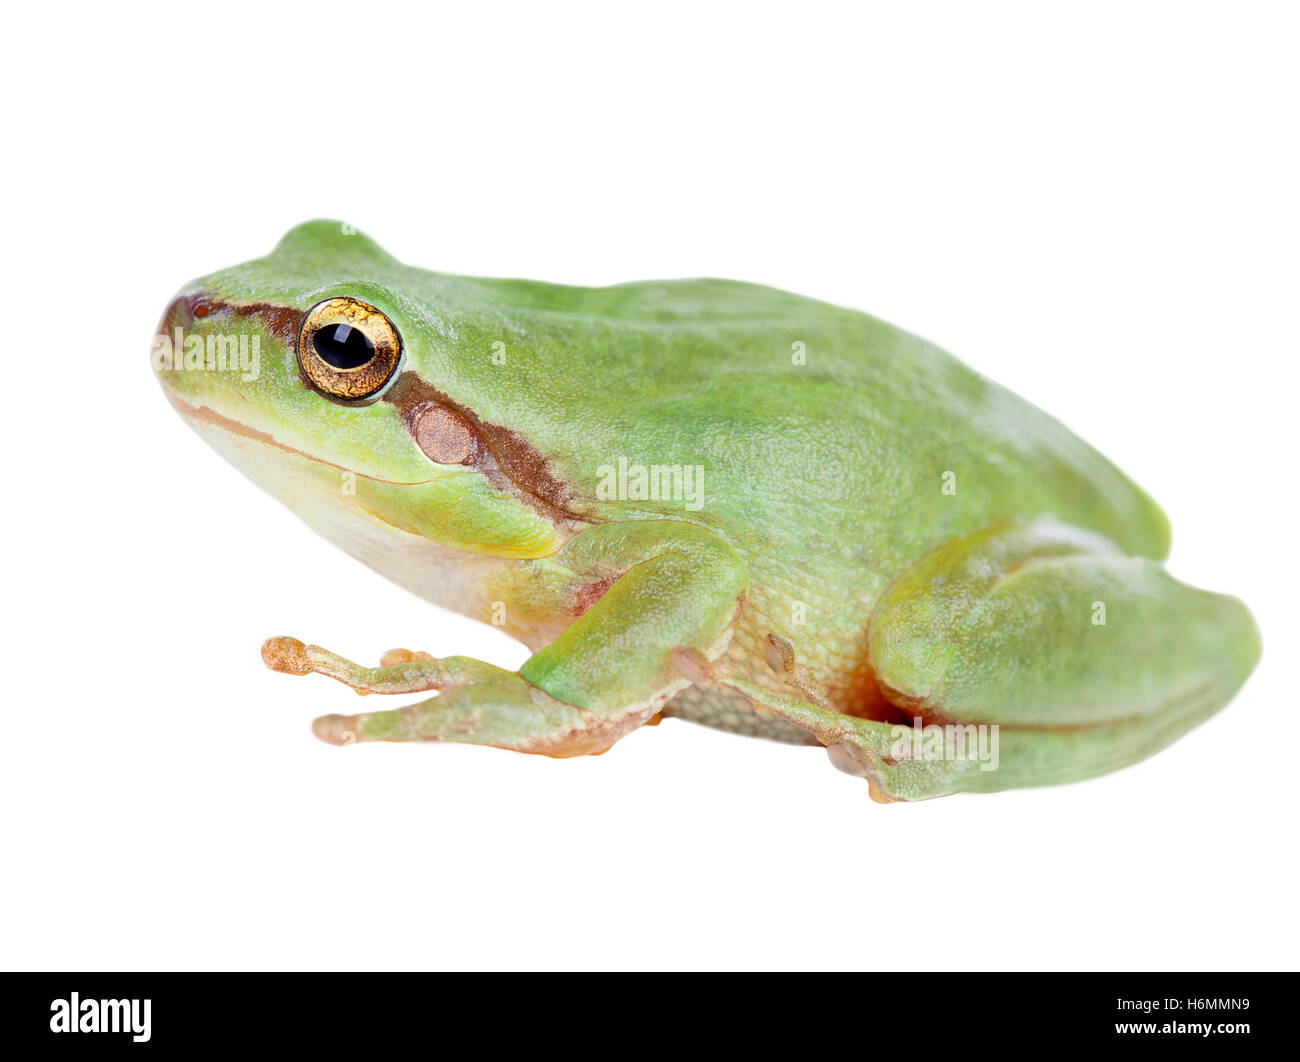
(807, 417)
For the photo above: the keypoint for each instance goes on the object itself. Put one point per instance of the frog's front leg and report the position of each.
(661, 586)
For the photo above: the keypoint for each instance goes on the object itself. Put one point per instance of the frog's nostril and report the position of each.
(183, 311)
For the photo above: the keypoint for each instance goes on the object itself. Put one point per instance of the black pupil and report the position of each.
(343, 346)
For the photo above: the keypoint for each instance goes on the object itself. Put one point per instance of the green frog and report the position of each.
(707, 500)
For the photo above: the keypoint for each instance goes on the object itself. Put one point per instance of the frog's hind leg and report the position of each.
(1030, 653)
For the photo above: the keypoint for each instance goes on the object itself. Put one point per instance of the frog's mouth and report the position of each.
(204, 417)
(376, 520)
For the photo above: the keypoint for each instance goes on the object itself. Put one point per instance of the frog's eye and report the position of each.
(348, 350)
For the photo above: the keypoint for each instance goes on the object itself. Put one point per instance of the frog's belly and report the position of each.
(725, 710)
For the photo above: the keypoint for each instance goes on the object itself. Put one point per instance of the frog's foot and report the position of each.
(503, 710)
(476, 703)
(399, 670)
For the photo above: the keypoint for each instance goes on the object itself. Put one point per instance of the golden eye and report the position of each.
(348, 350)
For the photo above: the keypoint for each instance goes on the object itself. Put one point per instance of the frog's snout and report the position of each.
(181, 320)
(183, 312)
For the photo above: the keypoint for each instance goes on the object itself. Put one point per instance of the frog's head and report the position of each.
(326, 373)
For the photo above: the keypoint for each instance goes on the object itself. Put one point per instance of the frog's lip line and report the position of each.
(208, 415)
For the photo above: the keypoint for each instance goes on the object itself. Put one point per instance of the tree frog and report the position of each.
(707, 500)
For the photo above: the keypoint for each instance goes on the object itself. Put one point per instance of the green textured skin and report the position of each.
(822, 492)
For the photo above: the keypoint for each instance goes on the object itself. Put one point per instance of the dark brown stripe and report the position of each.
(504, 456)
(281, 321)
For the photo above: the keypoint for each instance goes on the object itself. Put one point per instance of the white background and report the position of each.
(1095, 204)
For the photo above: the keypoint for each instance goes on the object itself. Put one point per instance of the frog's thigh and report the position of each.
(606, 674)
(1086, 659)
